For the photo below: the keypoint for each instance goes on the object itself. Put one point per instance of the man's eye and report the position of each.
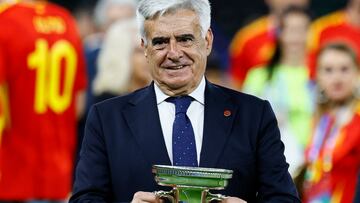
(185, 41)
(159, 43)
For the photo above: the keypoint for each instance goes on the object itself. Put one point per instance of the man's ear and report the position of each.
(209, 37)
(144, 47)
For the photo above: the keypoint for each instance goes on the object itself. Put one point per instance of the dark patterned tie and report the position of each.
(183, 139)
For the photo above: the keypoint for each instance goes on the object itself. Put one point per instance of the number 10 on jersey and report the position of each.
(47, 62)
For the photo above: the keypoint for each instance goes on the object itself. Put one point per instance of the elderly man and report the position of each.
(181, 119)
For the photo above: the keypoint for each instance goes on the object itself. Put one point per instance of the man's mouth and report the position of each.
(176, 67)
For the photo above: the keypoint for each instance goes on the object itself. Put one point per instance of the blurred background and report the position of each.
(229, 15)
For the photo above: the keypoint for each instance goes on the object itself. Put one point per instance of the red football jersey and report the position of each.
(42, 68)
(252, 46)
(334, 27)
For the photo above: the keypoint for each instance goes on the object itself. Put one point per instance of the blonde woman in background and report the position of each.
(122, 65)
(333, 155)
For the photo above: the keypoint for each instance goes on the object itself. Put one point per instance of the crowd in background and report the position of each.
(308, 68)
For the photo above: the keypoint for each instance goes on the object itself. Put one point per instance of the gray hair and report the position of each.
(148, 9)
(102, 7)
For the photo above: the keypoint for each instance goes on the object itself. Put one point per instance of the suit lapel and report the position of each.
(143, 119)
(218, 120)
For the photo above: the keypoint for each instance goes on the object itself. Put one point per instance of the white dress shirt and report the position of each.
(195, 113)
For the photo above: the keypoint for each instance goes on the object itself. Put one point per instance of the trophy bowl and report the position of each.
(191, 184)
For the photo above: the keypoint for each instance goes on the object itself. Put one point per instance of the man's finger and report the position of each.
(233, 200)
(144, 197)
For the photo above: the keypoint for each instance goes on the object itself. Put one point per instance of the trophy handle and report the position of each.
(171, 195)
(209, 197)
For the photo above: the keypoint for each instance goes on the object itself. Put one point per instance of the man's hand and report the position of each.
(145, 197)
(151, 197)
(233, 200)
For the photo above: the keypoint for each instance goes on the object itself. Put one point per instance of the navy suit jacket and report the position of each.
(123, 139)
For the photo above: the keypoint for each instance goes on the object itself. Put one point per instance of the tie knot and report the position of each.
(181, 103)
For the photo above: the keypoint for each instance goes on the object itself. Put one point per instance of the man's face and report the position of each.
(176, 51)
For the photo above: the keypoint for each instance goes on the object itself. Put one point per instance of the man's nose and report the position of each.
(175, 52)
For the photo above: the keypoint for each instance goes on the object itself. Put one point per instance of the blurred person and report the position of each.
(333, 153)
(84, 20)
(254, 44)
(340, 26)
(122, 64)
(180, 119)
(109, 11)
(106, 12)
(42, 82)
(285, 83)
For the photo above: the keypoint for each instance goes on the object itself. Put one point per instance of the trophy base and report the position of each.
(189, 195)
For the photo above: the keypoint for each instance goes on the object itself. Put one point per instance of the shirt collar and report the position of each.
(198, 94)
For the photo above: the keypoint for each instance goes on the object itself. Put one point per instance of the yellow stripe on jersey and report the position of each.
(246, 33)
(319, 25)
(4, 110)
